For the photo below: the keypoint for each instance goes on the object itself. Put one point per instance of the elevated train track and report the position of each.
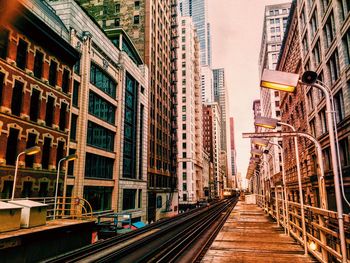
(184, 238)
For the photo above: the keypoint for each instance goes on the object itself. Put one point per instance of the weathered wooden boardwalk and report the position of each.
(249, 235)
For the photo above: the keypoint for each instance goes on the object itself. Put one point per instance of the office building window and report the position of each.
(38, 64)
(117, 21)
(345, 8)
(11, 150)
(53, 73)
(70, 169)
(99, 197)
(102, 81)
(45, 159)
(101, 108)
(34, 105)
(73, 127)
(60, 153)
(137, 20)
(184, 186)
(76, 67)
(344, 152)
(17, 98)
(117, 8)
(129, 154)
(314, 23)
(327, 158)
(97, 166)
(75, 95)
(50, 108)
(4, 36)
(323, 120)
(129, 199)
(137, 4)
(317, 53)
(21, 58)
(139, 198)
(339, 106)
(100, 137)
(65, 81)
(329, 30)
(333, 67)
(63, 115)
(346, 47)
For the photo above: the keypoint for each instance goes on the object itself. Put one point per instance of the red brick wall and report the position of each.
(22, 123)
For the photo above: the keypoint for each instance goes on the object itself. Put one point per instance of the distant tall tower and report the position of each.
(220, 96)
(275, 23)
(198, 10)
(233, 149)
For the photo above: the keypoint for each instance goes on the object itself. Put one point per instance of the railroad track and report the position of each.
(183, 238)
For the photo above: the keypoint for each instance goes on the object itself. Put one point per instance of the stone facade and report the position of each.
(152, 27)
(103, 173)
(35, 97)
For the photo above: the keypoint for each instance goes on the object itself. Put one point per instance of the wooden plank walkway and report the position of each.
(249, 235)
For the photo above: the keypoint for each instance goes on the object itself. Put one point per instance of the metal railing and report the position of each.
(321, 227)
(66, 208)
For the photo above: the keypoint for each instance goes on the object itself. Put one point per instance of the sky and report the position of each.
(236, 38)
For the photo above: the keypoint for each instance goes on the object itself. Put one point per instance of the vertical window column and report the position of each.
(45, 159)
(12, 143)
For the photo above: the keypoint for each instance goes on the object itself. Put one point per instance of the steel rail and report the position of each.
(81, 253)
(190, 229)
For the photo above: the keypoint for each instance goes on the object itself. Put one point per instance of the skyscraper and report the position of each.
(233, 152)
(275, 23)
(220, 96)
(152, 26)
(198, 10)
(190, 146)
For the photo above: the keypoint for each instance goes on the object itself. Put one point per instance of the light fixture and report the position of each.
(256, 152)
(32, 150)
(313, 246)
(260, 142)
(265, 122)
(279, 80)
(29, 151)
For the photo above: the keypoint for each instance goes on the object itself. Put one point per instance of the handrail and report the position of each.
(320, 225)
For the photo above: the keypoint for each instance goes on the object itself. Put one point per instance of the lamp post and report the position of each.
(67, 158)
(264, 143)
(285, 203)
(29, 151)
(271, 123)
(284, 81)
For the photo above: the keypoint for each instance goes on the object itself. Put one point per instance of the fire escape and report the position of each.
(173, 88)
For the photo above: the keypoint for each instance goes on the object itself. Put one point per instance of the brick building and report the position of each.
(323, 33)
(293, 112)
(36, 62)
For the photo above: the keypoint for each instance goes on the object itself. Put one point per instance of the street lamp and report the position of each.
(29, 151)
(67, 158)
(272, 124)
(284, 81)
(279, 80)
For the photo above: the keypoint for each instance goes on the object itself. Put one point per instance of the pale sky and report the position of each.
(236, 27)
